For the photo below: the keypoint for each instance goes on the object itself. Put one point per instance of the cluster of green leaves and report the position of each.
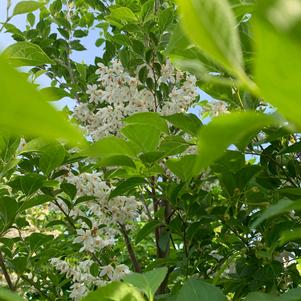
(227, 225)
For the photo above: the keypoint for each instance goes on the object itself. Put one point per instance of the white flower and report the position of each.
(107, 271)
(79, 290)
(120, 96)
(120, 271)
(60, 265)
(85, 265)
(215, 108)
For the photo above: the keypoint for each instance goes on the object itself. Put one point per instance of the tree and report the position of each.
(130, 196)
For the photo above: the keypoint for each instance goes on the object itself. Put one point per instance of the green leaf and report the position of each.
(6, 295)
(225, 130)
(294, 148)
(76, 45)
(165, 18)
(116, 161)
(19, 264)
(126, 186)
(110, 146)
(146, 230)
(52, 156)
(123, 14)
(210, 24)
(185, 55)
(36, 240)
(290, 235)
(196, 290)
(25, 111)
(183, 167)
(283, 206)
(26, 54)
(24, 7)
(173, 145)
(31, 18)
(260, 297)
(278, 79)
(148, 118)
(292, 295)
(28, 183)
(152, 157)
(115, 291)
(145, 137)
(8, 147)
(8, 212)
(69, 189)
(188, 123)
(34, 145)
(147, 282)
(35, 201)
(54, 93)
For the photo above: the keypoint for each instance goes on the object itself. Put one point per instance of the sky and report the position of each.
(86, 56)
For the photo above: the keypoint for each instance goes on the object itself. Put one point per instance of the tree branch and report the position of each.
(136, 264)
(5, 273)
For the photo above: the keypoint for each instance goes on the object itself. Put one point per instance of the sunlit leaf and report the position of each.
(26, 54)
(225, 130)
(110, 146)
(147, 282)
(25, 111)
(115, 291)
(210, 24)
(278, 79)
(145, 137)
(23, 7)
(6, 295)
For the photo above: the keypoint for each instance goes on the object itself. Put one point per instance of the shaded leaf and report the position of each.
(196, 290)
(283, 206)
(127, 186)
(35, 201)
(146, 230)
(188, 123)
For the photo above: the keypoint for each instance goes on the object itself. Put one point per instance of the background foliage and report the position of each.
(145, 190)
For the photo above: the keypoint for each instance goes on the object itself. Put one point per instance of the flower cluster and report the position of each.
(121, 209)
(82, 278)
(105, 216)
(214, 108)
(118, 95)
